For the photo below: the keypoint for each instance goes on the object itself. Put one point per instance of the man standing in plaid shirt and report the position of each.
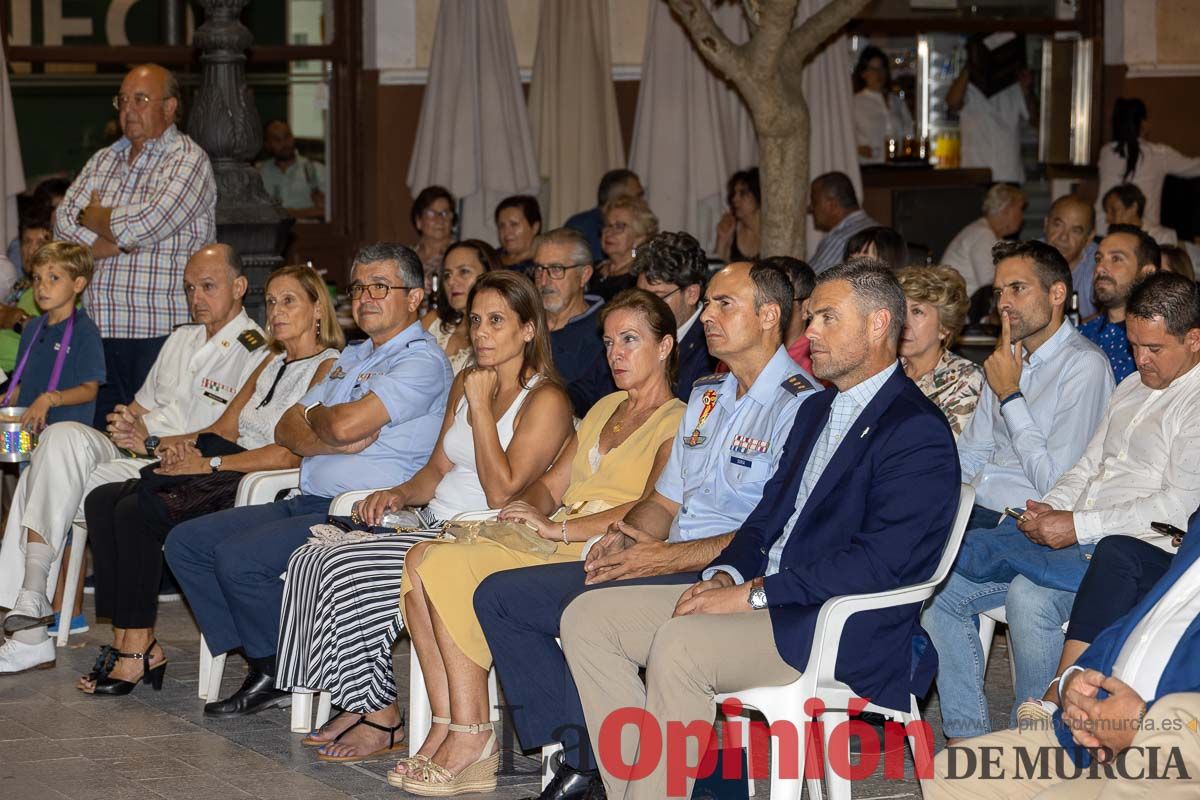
(144, 205)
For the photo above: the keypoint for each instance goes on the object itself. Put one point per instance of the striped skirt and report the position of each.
(341, 617)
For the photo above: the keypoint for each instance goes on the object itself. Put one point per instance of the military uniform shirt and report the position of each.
(727, 447)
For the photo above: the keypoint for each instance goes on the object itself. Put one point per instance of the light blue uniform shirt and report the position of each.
(1016, 453)
(721, 459)
(411, 376)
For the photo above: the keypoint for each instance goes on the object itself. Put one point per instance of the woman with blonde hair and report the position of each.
(628, 223)
(937, 311)
(198, 473)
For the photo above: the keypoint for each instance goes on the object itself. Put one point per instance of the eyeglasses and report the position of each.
(556, 271)
(140, 101)
(615, 227)
(376, 291)
(431, 213)
(668, 294)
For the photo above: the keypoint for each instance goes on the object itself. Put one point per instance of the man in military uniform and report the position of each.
(197, 373)
(729, 443)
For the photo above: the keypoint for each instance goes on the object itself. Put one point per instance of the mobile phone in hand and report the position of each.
(1016, 513)
(1167, 529)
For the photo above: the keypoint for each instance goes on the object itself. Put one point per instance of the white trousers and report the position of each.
(70, 460)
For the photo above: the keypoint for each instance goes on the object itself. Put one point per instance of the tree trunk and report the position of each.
(783, 164)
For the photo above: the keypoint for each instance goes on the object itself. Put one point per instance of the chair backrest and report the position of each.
(966, 502)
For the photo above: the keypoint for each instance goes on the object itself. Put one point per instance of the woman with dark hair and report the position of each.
(518, 222)
(462, 265)
(434, 215)
(740, 228)
(506, 420)
(879, 114)
(880, 242)
(1176, 259)
(128, 522)
(1131, 158)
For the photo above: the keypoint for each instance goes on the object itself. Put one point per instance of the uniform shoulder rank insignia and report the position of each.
(251, 339)
(796, 384)
(709, 380)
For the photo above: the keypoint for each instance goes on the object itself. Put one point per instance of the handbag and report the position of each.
(516, 536)
(184, 497)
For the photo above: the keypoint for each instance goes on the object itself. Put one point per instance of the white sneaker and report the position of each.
(17, 657)
(30, 611)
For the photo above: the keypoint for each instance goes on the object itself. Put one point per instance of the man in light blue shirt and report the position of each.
(372, 422)
(1047, 391)
(728, 445)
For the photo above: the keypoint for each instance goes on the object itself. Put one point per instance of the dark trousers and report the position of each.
(229, 565)
(127, 553)
(1120, 574)
(127, 362)
(519, 611)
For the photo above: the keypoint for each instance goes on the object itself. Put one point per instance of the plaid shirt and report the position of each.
(164, 210)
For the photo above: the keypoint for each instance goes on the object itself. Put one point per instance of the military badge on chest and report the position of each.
(708, 403)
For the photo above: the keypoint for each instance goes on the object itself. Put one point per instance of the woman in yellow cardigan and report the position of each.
(619, 449)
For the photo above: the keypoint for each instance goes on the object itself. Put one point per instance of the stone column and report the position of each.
(225, 122)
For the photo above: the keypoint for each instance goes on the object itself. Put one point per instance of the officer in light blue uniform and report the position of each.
(728, 446)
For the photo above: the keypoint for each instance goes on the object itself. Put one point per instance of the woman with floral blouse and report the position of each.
(937, 310)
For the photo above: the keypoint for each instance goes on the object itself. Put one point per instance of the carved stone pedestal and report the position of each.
(225, 122)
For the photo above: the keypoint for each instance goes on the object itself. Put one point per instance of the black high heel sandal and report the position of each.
(106, 659)
(154, 677)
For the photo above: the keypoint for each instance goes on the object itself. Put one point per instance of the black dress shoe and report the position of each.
(569, 783)
(257, 692)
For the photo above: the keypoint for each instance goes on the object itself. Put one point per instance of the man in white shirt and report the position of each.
(198, 371)
(970, 252)
(991, 126)
(1047, 389)
(1126, 205)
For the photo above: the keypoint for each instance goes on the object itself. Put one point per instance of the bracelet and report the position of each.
(1011, 397)
(564, 531)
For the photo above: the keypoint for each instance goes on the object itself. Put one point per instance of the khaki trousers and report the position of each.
(608, 634)
(1166, 727)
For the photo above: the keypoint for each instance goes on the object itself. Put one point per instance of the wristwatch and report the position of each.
(151, 444)
(758, 595)
(215, 463)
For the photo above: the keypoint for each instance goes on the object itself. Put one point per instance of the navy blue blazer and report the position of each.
(878, 519)
(1182, 673)
(694, 361)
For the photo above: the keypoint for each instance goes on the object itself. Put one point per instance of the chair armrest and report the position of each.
(258, 488)
(587, 547)
(343, 504)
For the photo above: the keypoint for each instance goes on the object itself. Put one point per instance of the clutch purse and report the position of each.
(515, 536)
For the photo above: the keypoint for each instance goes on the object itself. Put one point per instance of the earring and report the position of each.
(318, 327)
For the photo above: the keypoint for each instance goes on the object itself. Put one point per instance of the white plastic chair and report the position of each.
(987, 632)
(257, 488)
(780, 703)
(71, 582)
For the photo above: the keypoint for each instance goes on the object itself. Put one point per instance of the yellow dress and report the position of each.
(451, 572)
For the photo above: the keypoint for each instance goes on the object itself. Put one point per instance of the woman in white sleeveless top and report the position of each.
(127, 525)
(506, 420)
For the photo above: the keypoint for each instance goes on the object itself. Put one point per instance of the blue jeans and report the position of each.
(228, 565)
(1035, 619)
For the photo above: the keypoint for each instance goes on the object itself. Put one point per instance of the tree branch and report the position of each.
(776, 18)
(714, 46)
(819, 27)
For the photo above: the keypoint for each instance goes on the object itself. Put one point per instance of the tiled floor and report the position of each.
(57, 743)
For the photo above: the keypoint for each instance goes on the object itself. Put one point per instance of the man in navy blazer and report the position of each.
(674, 267)
(862, 502)
(1134, 692)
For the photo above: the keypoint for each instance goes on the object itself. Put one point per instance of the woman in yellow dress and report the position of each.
(619, 449)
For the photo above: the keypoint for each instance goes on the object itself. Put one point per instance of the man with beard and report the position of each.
(562, 267)
(1124, 254)
(1047, 390)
